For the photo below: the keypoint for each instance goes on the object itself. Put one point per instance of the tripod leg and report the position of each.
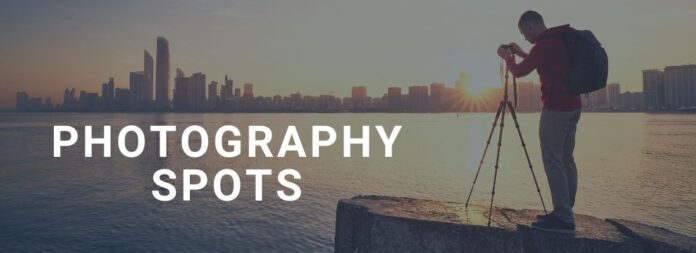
(497, 160)
(526, 154)
(485, 150)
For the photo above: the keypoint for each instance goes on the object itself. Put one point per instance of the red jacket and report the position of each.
(550, 59)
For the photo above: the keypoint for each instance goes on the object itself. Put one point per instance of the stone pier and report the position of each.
(392, 224)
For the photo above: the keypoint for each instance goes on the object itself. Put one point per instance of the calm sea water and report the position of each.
(633, 166)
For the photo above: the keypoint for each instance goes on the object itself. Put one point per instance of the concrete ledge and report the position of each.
(591, 235)
(392, 224)
(655, 239)
(388, 224)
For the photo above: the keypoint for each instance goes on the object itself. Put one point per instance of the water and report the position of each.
(633, 166)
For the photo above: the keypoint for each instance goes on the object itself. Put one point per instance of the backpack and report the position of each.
(588, 62)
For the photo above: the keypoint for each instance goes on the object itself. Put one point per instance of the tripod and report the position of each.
(500, 114)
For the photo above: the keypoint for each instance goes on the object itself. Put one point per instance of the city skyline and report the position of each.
(283, 48)
(673, 88)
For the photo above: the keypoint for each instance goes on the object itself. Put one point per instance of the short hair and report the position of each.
(532, 17)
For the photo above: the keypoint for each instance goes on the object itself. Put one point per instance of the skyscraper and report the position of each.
(359, 97)
(213, 98)
(189, 92)
(227, 90)
(613, 92)
(358, 92)
(653, 89)
(108, 94)
(121, 99)
(69, 100)
(248, 89)
(680, 86)
(212, 90)
(598, 99)
(418, 98)
(394, 99)
(247, 102)
(162, 92)
(437, 95)
(149, 77)
(22, 101)
(138, 90)
(296, 101)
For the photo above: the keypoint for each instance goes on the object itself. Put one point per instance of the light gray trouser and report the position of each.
(557, 138)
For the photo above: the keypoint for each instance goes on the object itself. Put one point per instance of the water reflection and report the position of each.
(633, 166)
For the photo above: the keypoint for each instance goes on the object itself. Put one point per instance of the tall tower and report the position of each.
(149, 77)
(248, 89)
(108, 94)
(162, 78)
(653, 89)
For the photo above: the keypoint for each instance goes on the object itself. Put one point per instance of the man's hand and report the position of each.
(504, 52)
(516, 49)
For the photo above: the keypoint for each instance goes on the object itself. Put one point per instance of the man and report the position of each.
(559, 117)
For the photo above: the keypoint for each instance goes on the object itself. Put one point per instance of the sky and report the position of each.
(317, 46)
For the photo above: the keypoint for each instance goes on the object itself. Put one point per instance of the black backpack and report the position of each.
(588, 62)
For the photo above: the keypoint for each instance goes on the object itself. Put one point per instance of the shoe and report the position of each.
(544, 216)
(553, 224)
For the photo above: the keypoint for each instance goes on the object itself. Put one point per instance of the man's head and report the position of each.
(531, 24)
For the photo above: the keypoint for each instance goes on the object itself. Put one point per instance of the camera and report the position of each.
(506, 46)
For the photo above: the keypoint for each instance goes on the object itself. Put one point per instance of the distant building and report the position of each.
(213, 97)
(162, 75)
(248, 89)
(70, 100)
(189, 92)
(121, 99)
(149, 77)
(107, 98)
(437, 96)
(359, 92)
(88, 101)
(25, 103)
(653, 89)
(248, 102)
(327, 103)
(48, 105)
(418, 98)
(296, 103)
(359, 98)
(596, 100)
(394, 99)
(613, 92)
(631, 101)
(138, 91)
(227, 90)
(680, 86)
(378, 104)
(22, 101)
(277, 103)
(213, 90)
